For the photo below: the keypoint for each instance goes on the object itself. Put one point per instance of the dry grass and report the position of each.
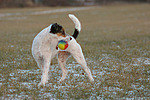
(115, 42)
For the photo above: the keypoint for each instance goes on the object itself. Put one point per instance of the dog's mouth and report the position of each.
(56, 28)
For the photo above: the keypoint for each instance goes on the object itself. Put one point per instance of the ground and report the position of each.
(115, 40)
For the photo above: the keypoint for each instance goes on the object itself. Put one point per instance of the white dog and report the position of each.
(44, 49)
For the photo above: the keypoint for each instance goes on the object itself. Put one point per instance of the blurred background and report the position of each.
(115, 38)
(34, 3)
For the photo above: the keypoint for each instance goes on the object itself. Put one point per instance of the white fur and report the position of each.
(44, 49)
(76, 22)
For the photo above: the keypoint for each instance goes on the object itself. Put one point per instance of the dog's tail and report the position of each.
(77, 25)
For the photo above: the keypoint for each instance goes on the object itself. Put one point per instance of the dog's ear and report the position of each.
(62, 31)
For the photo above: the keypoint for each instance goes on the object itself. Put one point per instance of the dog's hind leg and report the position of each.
(62, 58)
(76, 52)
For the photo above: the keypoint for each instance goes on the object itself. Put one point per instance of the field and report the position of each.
(115, 40)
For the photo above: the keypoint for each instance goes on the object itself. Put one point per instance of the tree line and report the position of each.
(31, 3)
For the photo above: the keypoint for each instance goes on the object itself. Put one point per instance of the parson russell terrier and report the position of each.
(44, 49)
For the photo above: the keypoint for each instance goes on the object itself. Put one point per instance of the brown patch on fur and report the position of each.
(61, 34)
(63, 55)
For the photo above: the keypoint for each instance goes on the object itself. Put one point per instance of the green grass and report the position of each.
(115, 41)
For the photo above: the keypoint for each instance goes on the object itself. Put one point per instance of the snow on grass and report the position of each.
(116, 51)
(43, 12)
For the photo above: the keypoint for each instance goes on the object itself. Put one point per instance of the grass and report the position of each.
(115, 41)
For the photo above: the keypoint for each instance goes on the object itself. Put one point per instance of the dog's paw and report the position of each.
(92, 80)
(41, 84)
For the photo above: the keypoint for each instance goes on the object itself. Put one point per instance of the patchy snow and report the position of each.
(28, 79)
(16, 18)
(141, 60)
(1, 84)
(147, 61)
(60, 10)
(42, 12)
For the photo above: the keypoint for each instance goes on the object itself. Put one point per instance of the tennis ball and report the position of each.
(62, 44)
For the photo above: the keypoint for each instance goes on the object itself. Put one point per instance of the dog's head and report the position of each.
(56, 28)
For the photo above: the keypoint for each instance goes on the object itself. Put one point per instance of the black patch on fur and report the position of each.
(76, 33)
(56, 28)
(70, 38)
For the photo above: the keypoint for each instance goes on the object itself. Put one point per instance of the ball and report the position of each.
(62, 44)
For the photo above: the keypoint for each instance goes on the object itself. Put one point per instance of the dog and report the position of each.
(44, 49)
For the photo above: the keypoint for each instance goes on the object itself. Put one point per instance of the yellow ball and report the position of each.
(62, 44)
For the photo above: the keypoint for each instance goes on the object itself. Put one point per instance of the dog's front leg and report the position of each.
(44, 77)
